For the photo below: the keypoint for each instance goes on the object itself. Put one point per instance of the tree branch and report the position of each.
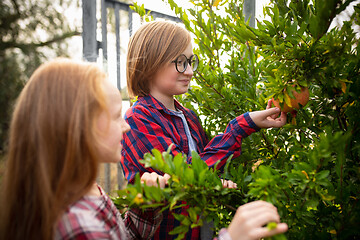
(26, 46)
(204, 80)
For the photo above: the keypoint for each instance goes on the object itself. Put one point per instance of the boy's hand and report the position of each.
(268, 118)
(228, 184)
(151, 179)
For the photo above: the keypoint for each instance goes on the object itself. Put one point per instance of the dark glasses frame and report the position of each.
(187, 62)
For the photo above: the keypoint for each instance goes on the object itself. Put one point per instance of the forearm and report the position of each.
(228, 143)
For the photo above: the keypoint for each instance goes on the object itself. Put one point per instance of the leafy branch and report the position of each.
(195, 183)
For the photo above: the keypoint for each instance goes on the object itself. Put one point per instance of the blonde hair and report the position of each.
(52, 159)
(151, 47)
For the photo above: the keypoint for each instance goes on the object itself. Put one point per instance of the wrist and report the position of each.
(252, 121)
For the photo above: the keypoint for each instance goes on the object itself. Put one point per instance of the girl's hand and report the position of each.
(228, 184)
(151, 179)
(249, 220)
(268, 118)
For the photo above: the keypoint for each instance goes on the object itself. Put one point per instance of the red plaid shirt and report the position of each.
(154, 126)
(94, 217)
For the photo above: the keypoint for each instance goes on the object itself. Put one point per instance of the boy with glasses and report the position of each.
(160, 65)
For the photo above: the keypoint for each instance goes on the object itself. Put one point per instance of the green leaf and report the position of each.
(321, 175)
(179, 164)
(189, 176)
(182, 229)
(197, 164)
(192, 214)
(176, 198)
(137, 183)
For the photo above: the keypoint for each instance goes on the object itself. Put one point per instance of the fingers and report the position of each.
(256, 204)
(269, 104)
(268, 118)
(278, 122)
(281, 121)
(152, 179)
(250, 219)
(166, 177)
(228, 184)
(148, 179)
(265, 232)
(271, 111)
(262, 215)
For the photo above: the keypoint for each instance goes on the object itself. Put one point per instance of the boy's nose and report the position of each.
(189, 70)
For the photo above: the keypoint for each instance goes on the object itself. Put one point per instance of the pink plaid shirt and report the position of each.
(96, 217)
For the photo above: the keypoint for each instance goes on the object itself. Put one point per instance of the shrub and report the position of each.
(309, 168)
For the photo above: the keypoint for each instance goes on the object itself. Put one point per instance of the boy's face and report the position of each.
(168, 81)
(112, 126)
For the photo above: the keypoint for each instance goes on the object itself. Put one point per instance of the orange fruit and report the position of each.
(301, 97)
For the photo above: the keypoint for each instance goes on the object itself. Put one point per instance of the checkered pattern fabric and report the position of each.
(94, 217)
(154, 126)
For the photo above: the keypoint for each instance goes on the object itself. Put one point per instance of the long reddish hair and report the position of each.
(52, 159)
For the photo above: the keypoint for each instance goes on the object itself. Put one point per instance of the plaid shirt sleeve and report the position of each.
(151, 128)
(81, 226)
(222, 146)
(142, 224)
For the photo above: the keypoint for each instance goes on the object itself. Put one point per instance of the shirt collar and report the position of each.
(150, 101)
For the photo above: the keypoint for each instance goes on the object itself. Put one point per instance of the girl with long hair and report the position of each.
(67, 121)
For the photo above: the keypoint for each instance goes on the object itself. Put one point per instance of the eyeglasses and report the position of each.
(181, 62)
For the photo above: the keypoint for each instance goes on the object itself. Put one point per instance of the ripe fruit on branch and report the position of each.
(291, 104)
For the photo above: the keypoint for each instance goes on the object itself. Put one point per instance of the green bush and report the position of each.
(310, 168)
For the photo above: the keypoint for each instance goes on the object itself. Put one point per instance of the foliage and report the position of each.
(140, 9)
(310, 168)
(31, 32)
(196, 184)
